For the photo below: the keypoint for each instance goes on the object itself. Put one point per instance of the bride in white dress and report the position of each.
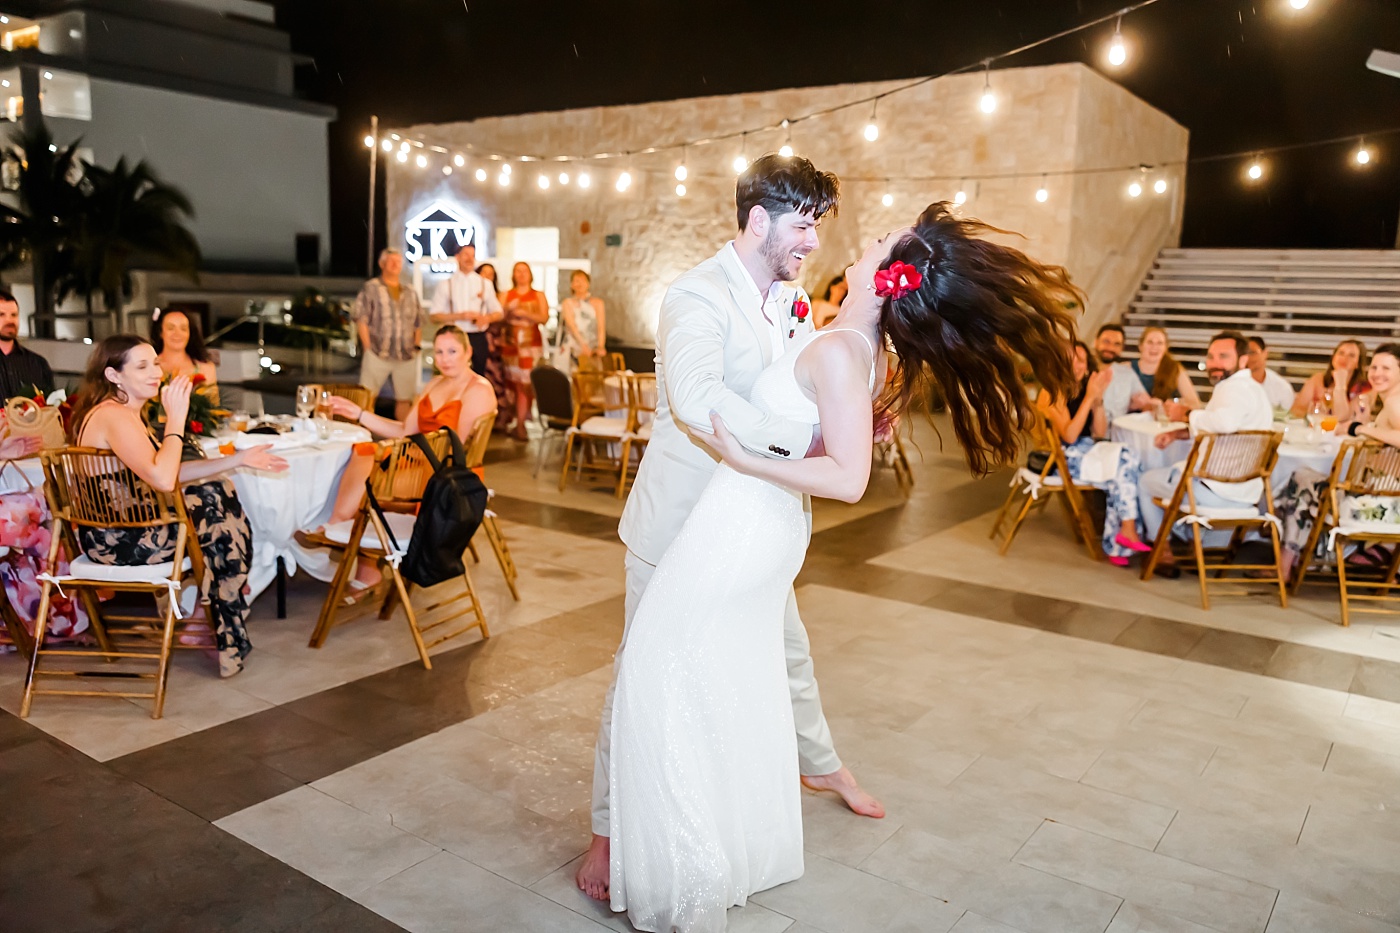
(705, 795)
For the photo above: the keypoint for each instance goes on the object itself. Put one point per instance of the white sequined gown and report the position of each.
(705, 801)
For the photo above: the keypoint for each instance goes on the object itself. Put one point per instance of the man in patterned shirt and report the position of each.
(390, 321)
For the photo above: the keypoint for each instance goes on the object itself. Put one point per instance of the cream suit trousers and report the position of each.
(816, 753)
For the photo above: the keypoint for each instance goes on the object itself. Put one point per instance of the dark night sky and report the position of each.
(1238, 75)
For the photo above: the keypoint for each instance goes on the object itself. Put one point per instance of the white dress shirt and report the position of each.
(465, 292)
(1279, 390)
(776, 306)
(1237, 404)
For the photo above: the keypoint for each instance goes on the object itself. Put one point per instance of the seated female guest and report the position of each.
(180, 348)
(1163, 380)
(825, 307)
(1297, 504)
(122, 376)
(455, 399)
(1347, 369)
(1077, 421)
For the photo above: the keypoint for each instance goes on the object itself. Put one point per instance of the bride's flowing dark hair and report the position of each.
(980, 311)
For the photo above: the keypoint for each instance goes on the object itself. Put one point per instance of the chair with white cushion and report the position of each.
(88, 488)
(596, 439)
(641, 412)
(1035, 489)
(1240, 457)
(397, 479)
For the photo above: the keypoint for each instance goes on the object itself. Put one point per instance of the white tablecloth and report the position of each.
(1138, 432)
(277, 504)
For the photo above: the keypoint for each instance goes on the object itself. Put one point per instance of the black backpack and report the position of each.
(452, 508)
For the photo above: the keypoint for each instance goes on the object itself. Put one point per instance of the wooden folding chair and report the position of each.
(1367, 468)
(615, 363)
(1034, 489)
(357, 394)
(88, 488)
(597, 438)
(641, 411)
(397, 479)
(476, 457)
(1309, 570)
(1224, 458)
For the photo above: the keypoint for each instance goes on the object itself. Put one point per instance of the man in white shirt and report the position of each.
(470, 302)
(1125, 389)
(1279, 390)
(1237, 404)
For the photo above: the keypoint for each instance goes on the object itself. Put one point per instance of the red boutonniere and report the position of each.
(897, 281)
(800, 310)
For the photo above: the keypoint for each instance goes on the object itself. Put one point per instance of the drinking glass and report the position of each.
(306, 400)
(323, 406)
(238, 421)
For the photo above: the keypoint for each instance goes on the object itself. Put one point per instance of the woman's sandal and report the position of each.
(360, 591)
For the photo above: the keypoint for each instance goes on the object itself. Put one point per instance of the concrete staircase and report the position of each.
(1302, 302)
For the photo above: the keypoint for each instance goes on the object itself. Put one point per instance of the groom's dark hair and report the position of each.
(785, 185)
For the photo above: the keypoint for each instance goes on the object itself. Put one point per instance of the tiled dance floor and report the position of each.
(1060, 747)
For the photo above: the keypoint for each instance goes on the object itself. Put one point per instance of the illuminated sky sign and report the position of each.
(436, 232)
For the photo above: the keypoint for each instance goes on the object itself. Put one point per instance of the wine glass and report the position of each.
(306, 400)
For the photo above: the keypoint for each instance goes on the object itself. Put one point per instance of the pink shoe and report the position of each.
(1118, 561)
(1132, 545)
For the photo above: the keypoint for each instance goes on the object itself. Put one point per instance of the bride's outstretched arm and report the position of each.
(838, 372)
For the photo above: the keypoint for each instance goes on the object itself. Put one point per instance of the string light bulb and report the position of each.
(458, 161)
(506, 169)
(1135, 190)
(1160, 186)
(872, 129)
(563, 178)
(403, 146)
(1117, 50)
(786, 150)
(481, 174)
(421, 161)
(386, 146)
(503, 179)
(447, 170)
(961, 197)
(369, 142)
(543, 182)
(1255, 170)
(402, 156)
(584, 180)
(624, 181)
(680, 191)
(1042, 194)
(989, 99)
(741, 161)
(1363, 155)
(887, 199)
(1298, 4)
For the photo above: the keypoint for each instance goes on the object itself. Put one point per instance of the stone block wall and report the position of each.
(1054, 119)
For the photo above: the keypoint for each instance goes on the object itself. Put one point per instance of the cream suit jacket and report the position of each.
(712, 341)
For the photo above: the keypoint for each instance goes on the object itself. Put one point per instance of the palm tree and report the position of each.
(129, 218)
(38, 229)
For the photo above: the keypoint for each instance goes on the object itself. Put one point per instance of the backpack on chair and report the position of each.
(451, 510)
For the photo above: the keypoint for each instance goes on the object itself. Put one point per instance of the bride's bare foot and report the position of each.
(843, 782)
(593, 874)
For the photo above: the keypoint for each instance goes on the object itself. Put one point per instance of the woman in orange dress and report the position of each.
(455, 399)
(526, 309)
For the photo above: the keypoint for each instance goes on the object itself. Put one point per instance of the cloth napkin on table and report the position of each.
(1100, 464)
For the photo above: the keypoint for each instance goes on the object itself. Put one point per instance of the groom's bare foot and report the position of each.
(841, 782)
(593, 874)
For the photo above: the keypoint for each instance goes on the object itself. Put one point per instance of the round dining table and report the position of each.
(1138, 432)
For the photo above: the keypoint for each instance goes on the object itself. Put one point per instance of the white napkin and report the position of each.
(1100, 464)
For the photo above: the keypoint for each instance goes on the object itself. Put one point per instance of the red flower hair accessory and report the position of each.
(897, 281)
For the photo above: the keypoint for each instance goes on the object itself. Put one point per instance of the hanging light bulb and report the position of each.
(403, 146)
(1298, 4)
(960, 198)
(402, 156)
(989, 100)
(458, 161)
(680, 191)
(1117, 50)
(503, 179)
(583, 180)
(386, 145)
(369, 142)
(1042, 194)
(563, 178)
(741, 161)
(1135, 190)
(543, 182)
(447, 170)
(1255, 171)
(481, 174)
(887, 199)
(506, 169)
(1363, 154)
(872, 129)
(681, 172)
(1160, 186)
(786, 150)
(624, 181)
(421, 161)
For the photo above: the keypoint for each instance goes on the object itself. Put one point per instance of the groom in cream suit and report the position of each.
(721, 324)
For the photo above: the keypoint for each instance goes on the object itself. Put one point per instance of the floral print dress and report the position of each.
(225, 539)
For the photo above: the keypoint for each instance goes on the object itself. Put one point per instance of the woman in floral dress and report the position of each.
(526, 309)
(122, 376)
